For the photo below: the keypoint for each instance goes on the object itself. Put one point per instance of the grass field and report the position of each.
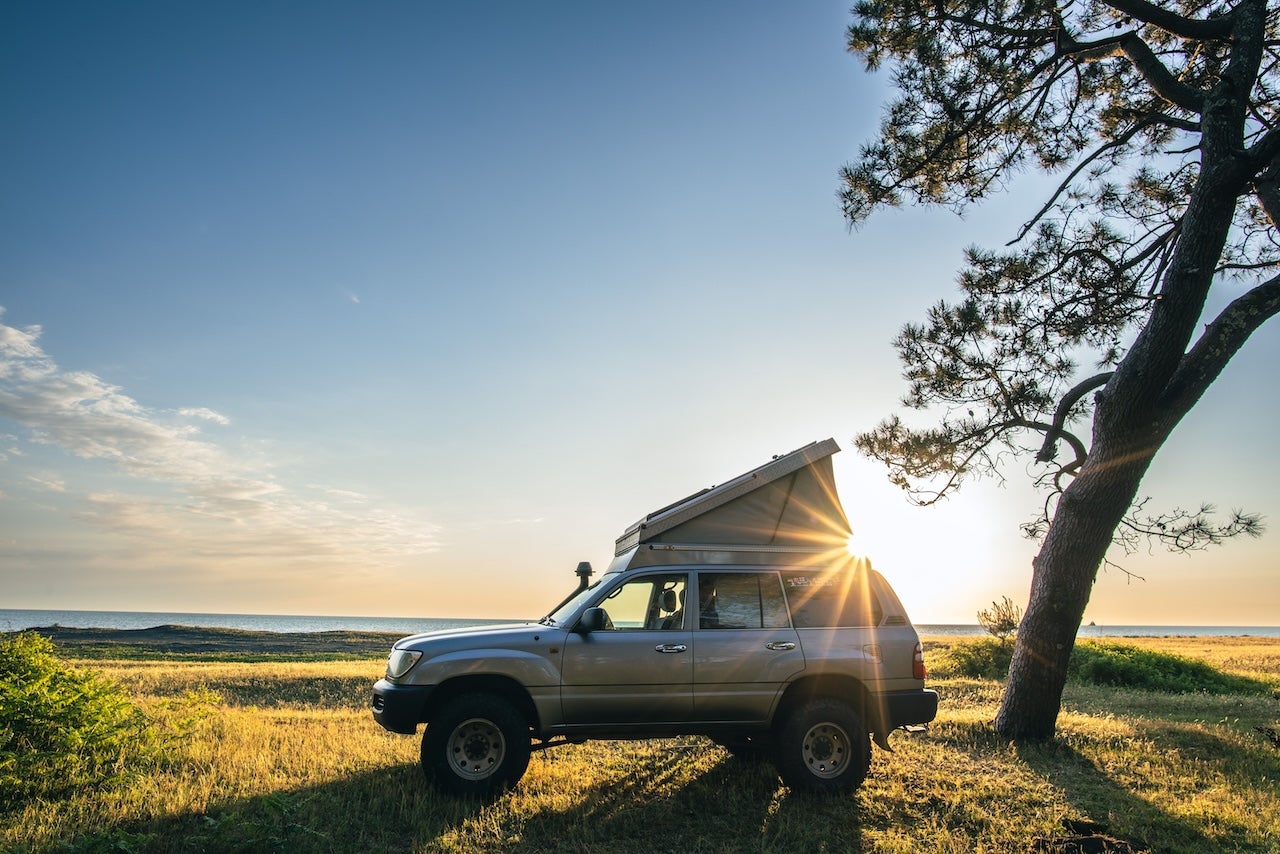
(282, 755)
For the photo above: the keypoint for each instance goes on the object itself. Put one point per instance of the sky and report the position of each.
(403, 309)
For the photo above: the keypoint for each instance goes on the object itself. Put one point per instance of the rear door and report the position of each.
(745, 649)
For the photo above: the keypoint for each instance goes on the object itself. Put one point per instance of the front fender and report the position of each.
(530, 669)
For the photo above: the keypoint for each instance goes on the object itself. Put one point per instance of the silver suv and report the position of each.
(736, 613)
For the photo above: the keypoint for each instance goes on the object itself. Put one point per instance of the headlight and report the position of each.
(401, 661)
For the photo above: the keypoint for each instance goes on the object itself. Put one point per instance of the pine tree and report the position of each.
(1159, 123)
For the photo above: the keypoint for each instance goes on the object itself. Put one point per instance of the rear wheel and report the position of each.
(824, 747)
(476, 745)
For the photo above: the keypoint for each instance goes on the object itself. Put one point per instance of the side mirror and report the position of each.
(592, 620)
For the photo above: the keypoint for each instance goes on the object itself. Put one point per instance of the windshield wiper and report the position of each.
(547, 621)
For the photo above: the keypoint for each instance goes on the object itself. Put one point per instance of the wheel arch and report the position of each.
(836, 686)
(502, 686)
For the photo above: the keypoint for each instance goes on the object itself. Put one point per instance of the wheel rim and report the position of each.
(476, 748)
(825, 749)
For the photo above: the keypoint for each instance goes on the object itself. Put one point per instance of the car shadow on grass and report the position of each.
(732, 806)
(735, 805)
(388, 809)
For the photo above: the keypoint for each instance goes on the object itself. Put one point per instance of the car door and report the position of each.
(745, 649)
(640, 668)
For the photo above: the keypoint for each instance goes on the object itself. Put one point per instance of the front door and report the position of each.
(640, 668)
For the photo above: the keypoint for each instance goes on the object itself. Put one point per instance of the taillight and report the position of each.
(918, 670)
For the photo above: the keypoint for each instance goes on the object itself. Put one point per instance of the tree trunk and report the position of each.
(1132, 419)
(1084, 522)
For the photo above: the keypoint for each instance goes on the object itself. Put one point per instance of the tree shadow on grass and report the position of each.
(1242, 764)
(1101, 804)
(733, 806)
(1111, 807)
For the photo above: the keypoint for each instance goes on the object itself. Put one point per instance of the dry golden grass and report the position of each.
(286, 757)
(325, 684)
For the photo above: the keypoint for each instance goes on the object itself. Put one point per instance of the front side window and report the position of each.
(654, 602)
(831, 599)
(740, 600)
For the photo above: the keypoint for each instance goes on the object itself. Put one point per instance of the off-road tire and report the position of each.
(477, 745)
(823, 747)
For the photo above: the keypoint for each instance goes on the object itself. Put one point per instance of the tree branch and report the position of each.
(1267, 189)
(1183, 530)
(1118, 142)
(1054, 431)
(1161, 80)
(1130, 44)
(1266, 150)
(1217, 29)
(1221, 340)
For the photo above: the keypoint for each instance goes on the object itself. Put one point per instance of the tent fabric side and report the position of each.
(800, 509)
(789, 502)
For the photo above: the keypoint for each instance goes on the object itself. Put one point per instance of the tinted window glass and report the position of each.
(740, 600)
(831, 599)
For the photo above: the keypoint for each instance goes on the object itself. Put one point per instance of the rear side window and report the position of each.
(831, 599)
(740, 600)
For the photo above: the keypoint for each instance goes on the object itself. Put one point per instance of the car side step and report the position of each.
(556, 742)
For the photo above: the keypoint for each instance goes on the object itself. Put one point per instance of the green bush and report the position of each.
(1110, 664)
(982, 658)
(1121, 666)
(60, 728)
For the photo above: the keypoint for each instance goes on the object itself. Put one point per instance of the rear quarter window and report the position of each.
(831, 599)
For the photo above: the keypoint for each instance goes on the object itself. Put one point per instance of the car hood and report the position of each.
(473, 635)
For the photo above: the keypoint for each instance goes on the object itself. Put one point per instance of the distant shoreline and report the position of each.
(172, 641)
(179, 641)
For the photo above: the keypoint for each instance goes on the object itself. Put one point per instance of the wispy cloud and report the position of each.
(206, 414)
(213, 502)
(48, 482)
(93, 419)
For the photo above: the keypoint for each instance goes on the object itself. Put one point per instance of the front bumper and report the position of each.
(399, 708)
(907, 708)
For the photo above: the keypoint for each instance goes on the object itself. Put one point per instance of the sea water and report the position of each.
(13, 620)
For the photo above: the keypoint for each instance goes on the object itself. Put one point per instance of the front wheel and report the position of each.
(477, 745)
(823, 747)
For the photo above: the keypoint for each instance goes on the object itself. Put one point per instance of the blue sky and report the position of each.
(405, 308)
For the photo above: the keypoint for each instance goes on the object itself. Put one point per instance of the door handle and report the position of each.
(670, 647)
(780, 645)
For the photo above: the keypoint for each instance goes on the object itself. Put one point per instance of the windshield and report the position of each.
(569, 608)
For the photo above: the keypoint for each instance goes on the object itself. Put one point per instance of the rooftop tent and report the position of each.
(788, 504)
